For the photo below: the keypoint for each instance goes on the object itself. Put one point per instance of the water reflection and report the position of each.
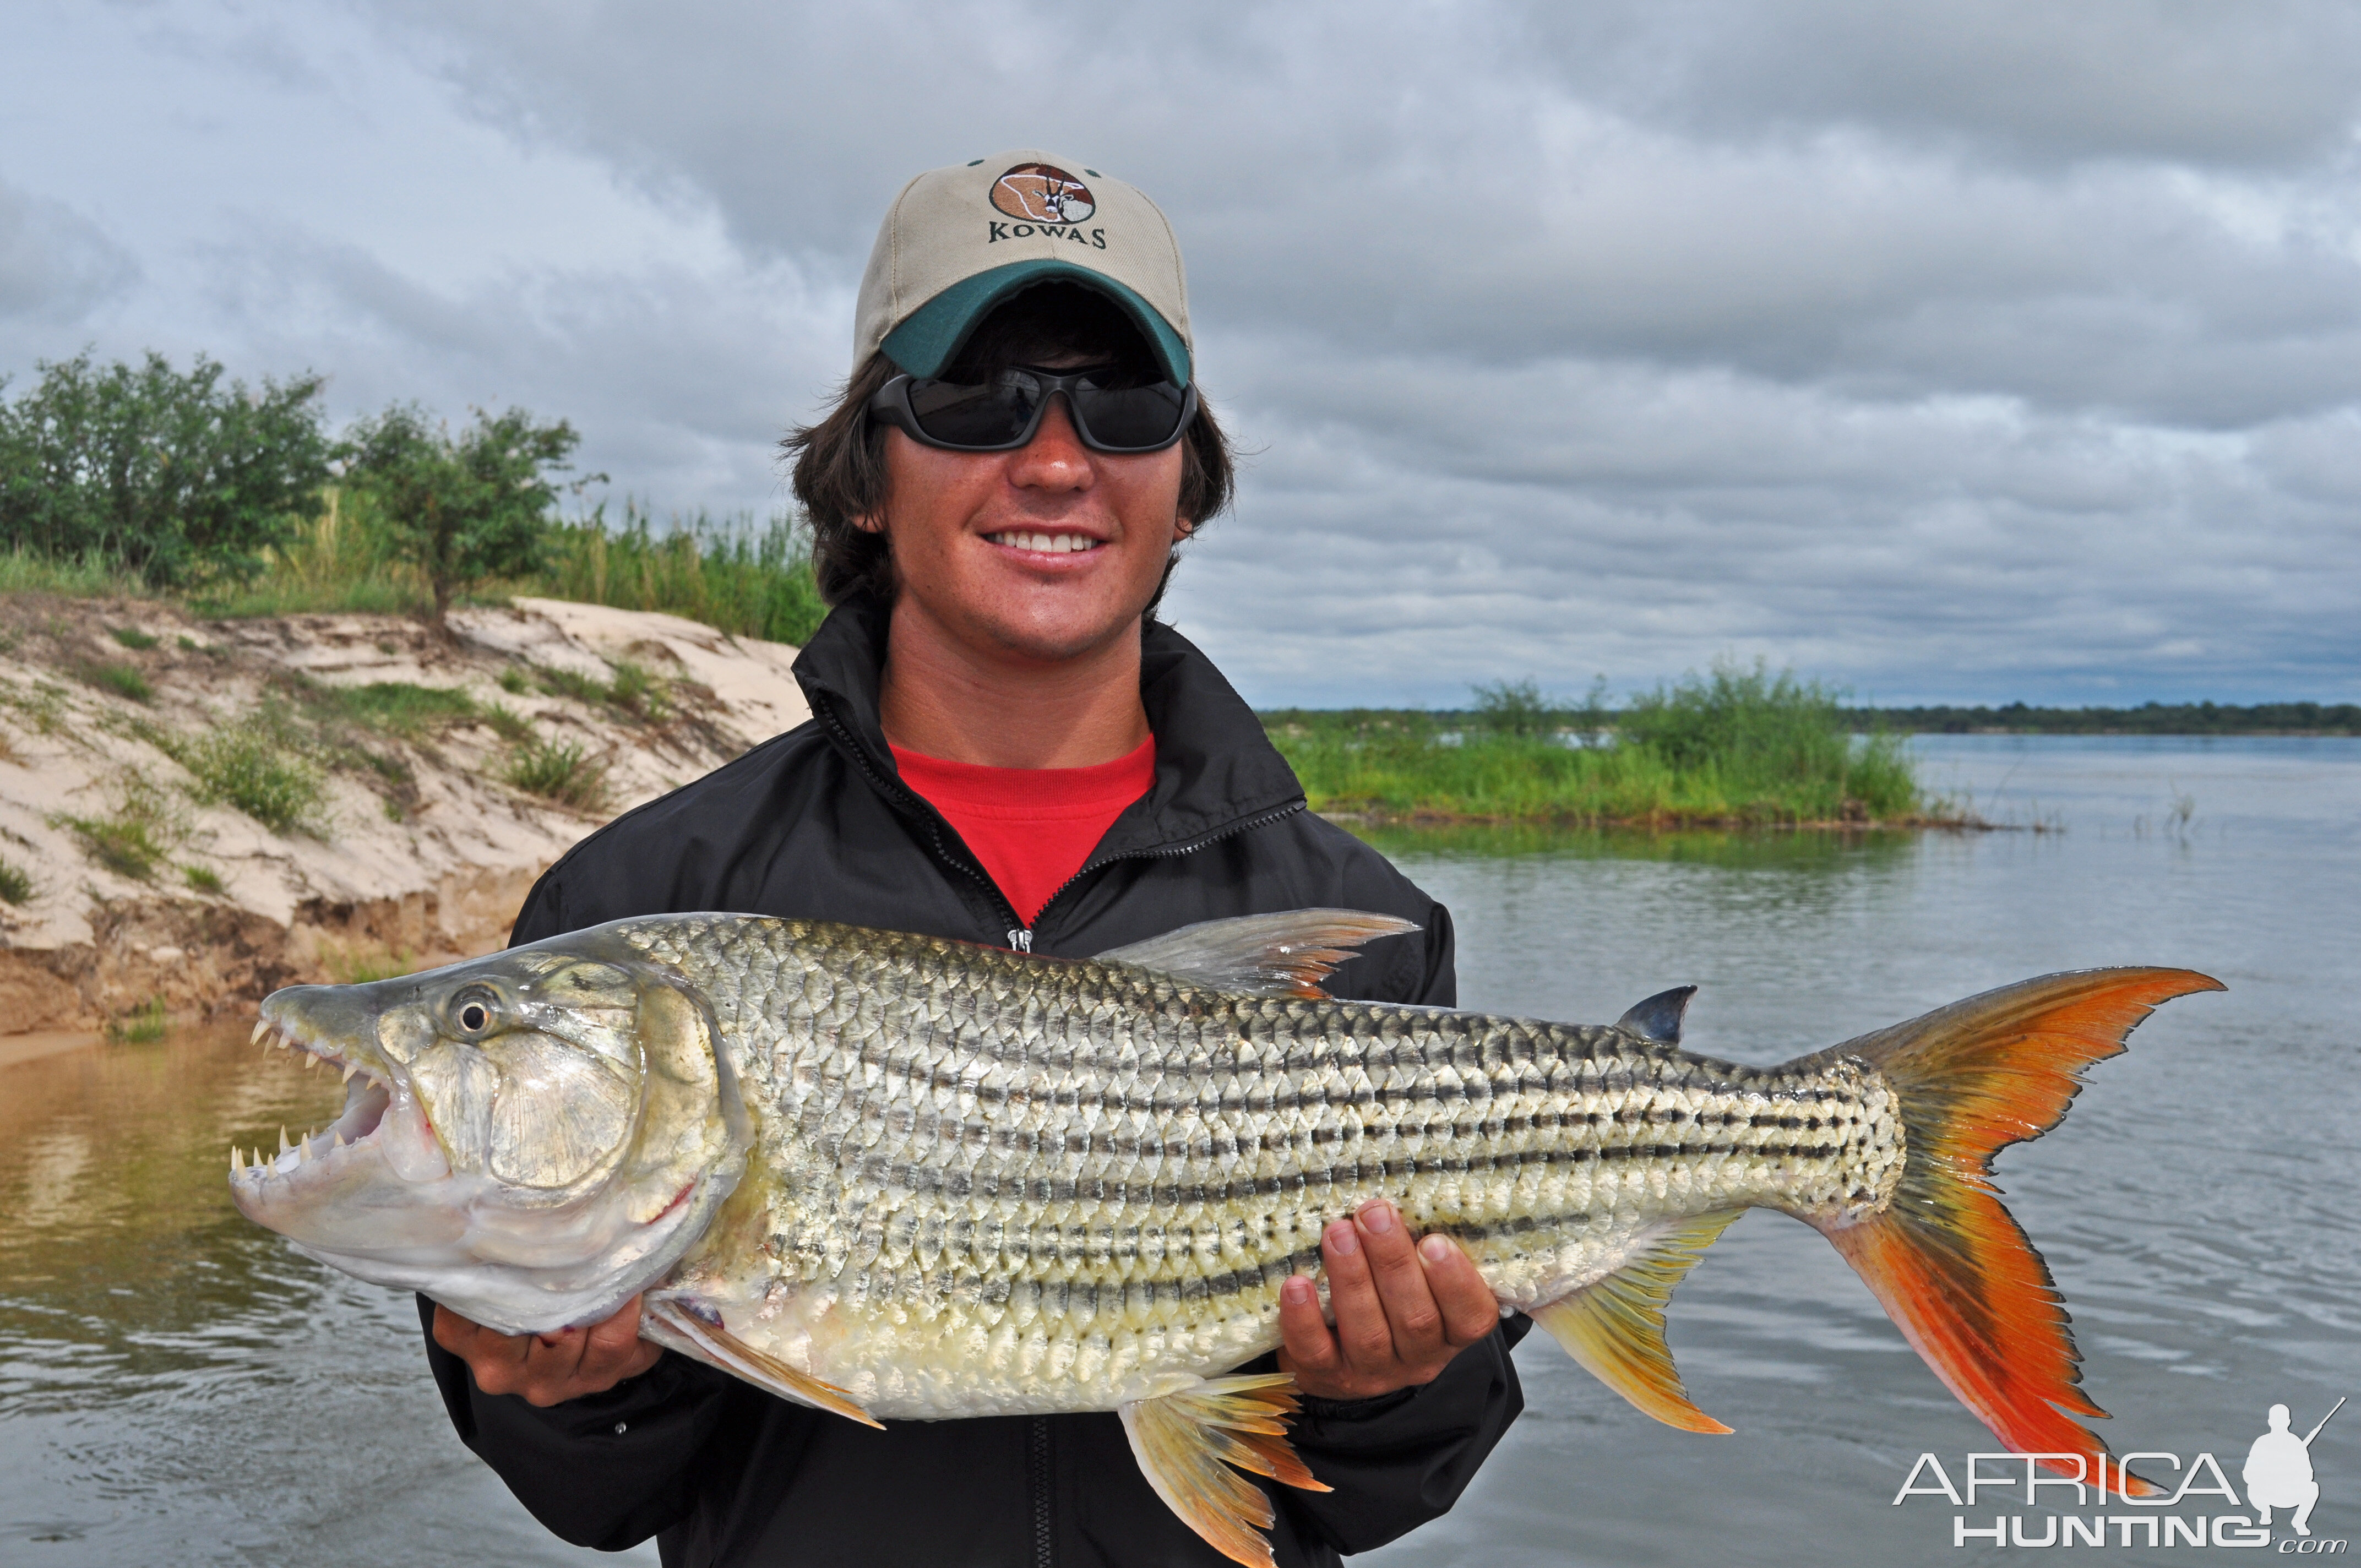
(171, 1373)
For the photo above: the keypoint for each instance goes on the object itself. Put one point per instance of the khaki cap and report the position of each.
(958, 241)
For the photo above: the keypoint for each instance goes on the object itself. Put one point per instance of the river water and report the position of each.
(175, 1386)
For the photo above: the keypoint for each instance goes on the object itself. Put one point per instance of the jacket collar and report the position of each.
(1215, 768)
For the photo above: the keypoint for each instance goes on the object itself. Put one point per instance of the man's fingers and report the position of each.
(1362, 1330)
(1469, 1308)
(1311, 1349)
(1415, 1322)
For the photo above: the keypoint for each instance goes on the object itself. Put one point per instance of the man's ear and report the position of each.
(1182, 528)
(871, 523)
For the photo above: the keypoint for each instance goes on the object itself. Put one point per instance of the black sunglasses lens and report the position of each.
(1131, 416)
(990, 415)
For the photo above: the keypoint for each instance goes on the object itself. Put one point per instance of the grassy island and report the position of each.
(1735, 747)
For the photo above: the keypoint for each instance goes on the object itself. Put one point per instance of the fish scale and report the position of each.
(1011, 1142)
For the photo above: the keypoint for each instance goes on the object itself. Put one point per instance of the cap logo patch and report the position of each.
(1043, 193)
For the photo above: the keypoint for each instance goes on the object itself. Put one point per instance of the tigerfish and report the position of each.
(899, 1177)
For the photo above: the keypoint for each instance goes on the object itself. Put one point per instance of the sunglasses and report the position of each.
(1002, 414)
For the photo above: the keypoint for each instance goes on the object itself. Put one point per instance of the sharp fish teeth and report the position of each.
(298, 1152)
(282, 1140)
(338, 1137)
(350, 1068)
(236, 1161)
(261, 1026)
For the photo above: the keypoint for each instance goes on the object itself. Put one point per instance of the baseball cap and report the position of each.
(958, 241)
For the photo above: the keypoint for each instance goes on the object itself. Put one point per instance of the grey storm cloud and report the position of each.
(1966, 352)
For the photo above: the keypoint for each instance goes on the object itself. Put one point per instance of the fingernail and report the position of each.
(1342, 1239)
(1378, 1217)
(1434, 1249)
(1297, 1290)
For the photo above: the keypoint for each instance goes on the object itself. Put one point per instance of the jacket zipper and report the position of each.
(1167, 851)
(1044, 1554)
(926, 814)
(1019, 935)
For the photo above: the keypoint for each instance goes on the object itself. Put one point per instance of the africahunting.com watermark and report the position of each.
(2198, 1504)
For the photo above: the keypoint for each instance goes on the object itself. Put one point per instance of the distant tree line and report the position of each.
(2148, 718)
(188, 481)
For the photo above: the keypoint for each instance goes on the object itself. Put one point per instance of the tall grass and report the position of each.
(1734, 746)
(747, 580)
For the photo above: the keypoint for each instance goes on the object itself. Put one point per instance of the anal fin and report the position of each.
(675, 1327)
(1615, 1326)
(1185, 1443)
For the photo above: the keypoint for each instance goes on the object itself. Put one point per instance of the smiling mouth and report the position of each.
(1047, 543)
(367, 1097)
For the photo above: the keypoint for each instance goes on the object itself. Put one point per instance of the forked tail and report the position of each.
(1945, 1259)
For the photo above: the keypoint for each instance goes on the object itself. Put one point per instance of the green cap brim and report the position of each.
(933, 332)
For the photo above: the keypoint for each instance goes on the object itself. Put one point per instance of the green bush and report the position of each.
(173, 479)
(16, 882)
(120, 679)
(399, 707)
(132, 637)
(203, 879)
(461, 508)
(136, 836)
(141, 1027)
(563, 771)
(260, 766)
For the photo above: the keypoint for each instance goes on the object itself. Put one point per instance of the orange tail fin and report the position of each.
(1948, 1263)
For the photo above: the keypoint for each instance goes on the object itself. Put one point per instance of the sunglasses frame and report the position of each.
(891, 404)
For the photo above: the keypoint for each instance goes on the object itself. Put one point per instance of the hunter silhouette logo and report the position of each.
(1043, 193)
(2279, 1470)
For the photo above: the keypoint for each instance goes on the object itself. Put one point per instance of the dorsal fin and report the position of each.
(1287, 954)
(1659, 1017)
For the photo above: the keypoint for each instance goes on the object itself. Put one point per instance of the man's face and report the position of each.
(1043, 553)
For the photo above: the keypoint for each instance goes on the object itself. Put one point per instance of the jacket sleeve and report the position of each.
(607, 1471)
(1395, 1462)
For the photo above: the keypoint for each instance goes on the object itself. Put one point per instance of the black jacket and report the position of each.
(817, 824)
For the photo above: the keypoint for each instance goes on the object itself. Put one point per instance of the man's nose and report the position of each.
(1055, 459)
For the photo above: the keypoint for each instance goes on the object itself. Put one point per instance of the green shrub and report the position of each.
(16, 882)
(120, 679)
(513, 682)
(260, 766)
(142, 1026)
(461, 508)
(399, 707)
(173, 479)
(136, 836)
(131, 637)
(570, 682)
(563, 771)
(205, 879)
(506, 722)
(639, 691)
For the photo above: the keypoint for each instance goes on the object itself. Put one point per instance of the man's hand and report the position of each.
(1402, 1311)
(548, 1368)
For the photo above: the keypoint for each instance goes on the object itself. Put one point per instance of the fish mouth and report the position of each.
(321, 1153)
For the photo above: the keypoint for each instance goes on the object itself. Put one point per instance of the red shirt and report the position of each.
(1032, 828)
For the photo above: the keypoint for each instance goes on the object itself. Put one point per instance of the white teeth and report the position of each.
(261, 1025)
(282, 1140)
(310, 1061)
(339, 1138)
(350, 1068)
(236, 1161)
(300, 1151)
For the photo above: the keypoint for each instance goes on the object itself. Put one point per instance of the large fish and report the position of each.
(897, 1177)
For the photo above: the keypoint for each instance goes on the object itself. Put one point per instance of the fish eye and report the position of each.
(473, 1010)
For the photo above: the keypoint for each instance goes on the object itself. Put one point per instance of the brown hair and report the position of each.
(839, 461)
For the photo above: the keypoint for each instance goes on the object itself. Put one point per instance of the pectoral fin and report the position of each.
(1185, 1443)
(1615, 1326)
(673, 1326)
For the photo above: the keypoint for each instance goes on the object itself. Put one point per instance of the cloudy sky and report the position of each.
(1949, 352)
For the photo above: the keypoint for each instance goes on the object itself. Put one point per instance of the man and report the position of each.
(1006, 748)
